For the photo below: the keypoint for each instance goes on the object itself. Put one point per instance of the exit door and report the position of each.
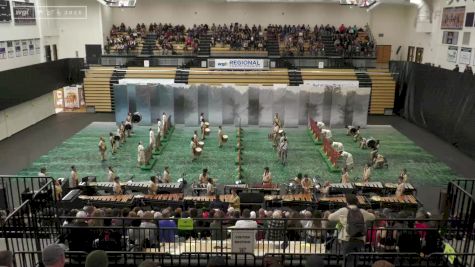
(383, 53)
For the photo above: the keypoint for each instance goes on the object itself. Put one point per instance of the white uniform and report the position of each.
(159, 126)
(327, 133)
(349, 159)
(140, 154)
(73, 179)
(151, 136)
(337, 146)
(110, 176)
(320, 124)
(166, 177)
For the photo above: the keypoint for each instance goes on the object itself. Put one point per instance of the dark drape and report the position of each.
(439, 100)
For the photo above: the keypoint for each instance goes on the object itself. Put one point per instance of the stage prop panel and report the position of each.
(337, 103)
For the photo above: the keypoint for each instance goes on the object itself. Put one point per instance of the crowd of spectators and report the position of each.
(351, 40)
(169, 35)
(124, 39)
(142, 228)
(238, 37)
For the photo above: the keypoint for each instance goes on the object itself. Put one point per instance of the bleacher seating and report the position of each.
(382, 91)
(328, 74)
(227, 51)
(150, 73)
(97, 88)
(277, 76)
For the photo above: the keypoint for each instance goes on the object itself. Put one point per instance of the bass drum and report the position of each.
(353, 130)
(371, 143)
(136, 117)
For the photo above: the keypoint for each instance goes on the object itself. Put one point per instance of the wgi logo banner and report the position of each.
(239, 64)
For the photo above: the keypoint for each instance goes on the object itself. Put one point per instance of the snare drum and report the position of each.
(225, 138)
(198, 151)
(207, 131)
(201, 144)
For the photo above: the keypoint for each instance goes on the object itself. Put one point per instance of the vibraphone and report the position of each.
(170, 188)
(172, 200)
(200, 201)
(373, 187)
(297, 201)
(342, 188)
(393, 202)
(391, 188)
(335, 202)
(118, 201)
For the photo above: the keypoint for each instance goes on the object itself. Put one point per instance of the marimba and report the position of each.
(238, 187)
(170, 188)
(339, 188)
(272, 188)
(408, 188)
(393, 202)
(207, 199)
(108, 201)
(161, 200)
(297, 201)
(375, 187)
(333, 202)
(137, 186)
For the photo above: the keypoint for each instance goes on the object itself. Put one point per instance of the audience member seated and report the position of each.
(238, 37)
(123, 39)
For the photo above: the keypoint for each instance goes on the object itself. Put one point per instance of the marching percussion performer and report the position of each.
(363, 143)
(195, 137)
(159, 126)
(400, 187)
(204, 178)
(404, 176)
(320, 125)
(110, 174)
(297, 180)
(153, 187)
(140, 154)
(235, 201)
(366, 173)
(276, 120)
(307, 184)
(73, 180)
(202, 117)
(166, 178)
(112, 143)
(102, 148)
(283, 148)
(128, 124)
(121, 132)
(266, 177)
(373, 154)
(325, 190)
(348, 157)
(345, 177)
(203, 128)
(164, 123)
(193, 146)
(117, 186)
(220, 136)
(151, 137)
(210, 189)
(58, 190)
(327, 133)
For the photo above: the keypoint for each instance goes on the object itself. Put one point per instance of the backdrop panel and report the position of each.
(266, 103)
(191, 106)
(242, 100)
(121, 100)
(142, 98)
(291, 107)
(203, 102)
(166, 102)
(215, 105)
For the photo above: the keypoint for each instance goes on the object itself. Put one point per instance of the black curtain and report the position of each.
(439, 100)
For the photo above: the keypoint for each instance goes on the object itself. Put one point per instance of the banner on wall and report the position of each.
(3, 50)
(452, 54)
(71, 97)
(450, 38)
(5, 12)
(238, 64)
(452, 18)
(24, 13)
(465, 55)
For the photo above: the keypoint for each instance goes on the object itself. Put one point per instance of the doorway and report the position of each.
(383, 54)
(55, 53)
(93, 54)
(419, 54)
(48, 53)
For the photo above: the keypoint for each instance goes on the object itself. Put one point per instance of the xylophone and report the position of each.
(391, 187)
(333, 202)
(339, 188)
(294, 197)
(207, 199)
(399, 203)
(162, 199)
(108, 201)
(296, 201)
(375, 187)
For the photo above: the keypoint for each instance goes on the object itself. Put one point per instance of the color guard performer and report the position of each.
(366, 173)
(153, 187)
(159, 126)
(151, 138)
(345, 177)
(58, 190)
(283, 148)
(379, 161)
(166, 178)
(73, 180)
(111, 174)
(307, 184)
(276, 120)
(348, 157)
(140, 154)
(117, 186)
(165, 124)
(102, 148)
(266, 177)
(121, 132)
(112, 143)
(203, 128)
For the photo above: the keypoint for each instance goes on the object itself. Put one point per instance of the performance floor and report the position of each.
(81, 150)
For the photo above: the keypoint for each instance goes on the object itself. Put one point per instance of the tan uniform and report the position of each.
(307, 184)
(102, 149)
(267, 178)
(345, 178)
(366, 174)
(166, 177)
(153, 188)
(117, 189)
(220, 137)
(140, 155)
(400, 189)
(235, 202)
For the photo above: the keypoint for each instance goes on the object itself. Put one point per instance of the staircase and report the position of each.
(330, 50)
(204, 46)
(364, 79)
(383, 88)
(295, 77)
(181, 75)
(97, 90)
(149, 44)
(272, 45)
(116, 76)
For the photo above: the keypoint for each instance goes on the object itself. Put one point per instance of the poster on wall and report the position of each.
(3, 50)
(452, 18)
(450, 38)
(10, 51)
(71, 97)
(452, 54)
(37, 46)
(469, 19)
(17, 49)
(24, 47)
(465, 55)
(31, 47)
(5, 12)
(24, 13)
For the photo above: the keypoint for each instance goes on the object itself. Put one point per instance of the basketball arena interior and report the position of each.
(144, 133)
